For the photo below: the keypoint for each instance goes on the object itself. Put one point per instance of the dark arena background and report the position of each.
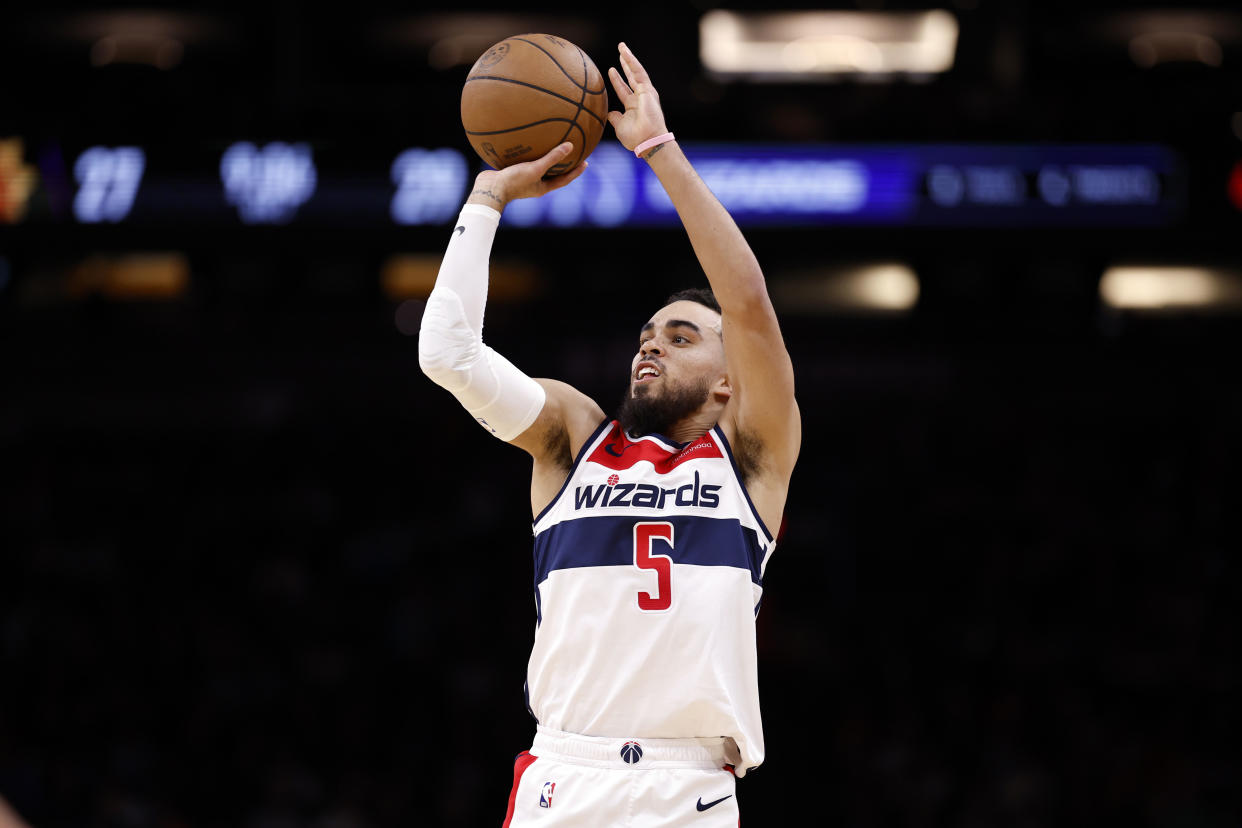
(256, 570)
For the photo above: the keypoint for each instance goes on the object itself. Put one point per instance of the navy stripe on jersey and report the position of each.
(669, 443)
(526, 695)
(608, 540)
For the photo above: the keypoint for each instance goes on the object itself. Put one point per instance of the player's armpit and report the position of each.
(554, 440)
(567, 419)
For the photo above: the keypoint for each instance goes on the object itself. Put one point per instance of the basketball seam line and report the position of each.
(574, 123)
(539, 88)
(519, 126)
(603, 87)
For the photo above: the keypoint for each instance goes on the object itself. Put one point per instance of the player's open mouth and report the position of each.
(646, 373)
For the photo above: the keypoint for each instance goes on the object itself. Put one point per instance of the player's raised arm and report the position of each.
(542, 417)
(762, 406)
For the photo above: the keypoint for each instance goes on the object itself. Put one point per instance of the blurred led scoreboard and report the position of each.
(283, 183)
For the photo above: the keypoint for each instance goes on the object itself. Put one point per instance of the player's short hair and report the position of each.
(703, 296)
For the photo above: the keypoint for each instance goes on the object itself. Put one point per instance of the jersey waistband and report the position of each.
(635, 753)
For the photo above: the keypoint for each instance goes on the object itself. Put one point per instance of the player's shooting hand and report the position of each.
(496, 188)
(643, 118)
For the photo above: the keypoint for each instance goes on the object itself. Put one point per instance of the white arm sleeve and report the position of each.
(450, 340)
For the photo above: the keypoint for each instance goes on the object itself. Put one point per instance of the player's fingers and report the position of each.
(624, 93)
(553, 157)
(628, 64)
(634, 70)
(558, 181)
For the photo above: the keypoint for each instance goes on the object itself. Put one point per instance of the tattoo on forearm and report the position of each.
(653, 151)
(488, 194)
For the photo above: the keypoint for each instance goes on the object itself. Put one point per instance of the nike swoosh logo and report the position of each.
(459, 229)
(703, 807)
(611, 448)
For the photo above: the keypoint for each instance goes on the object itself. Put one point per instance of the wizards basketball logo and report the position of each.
(545, 796)
(631, 752)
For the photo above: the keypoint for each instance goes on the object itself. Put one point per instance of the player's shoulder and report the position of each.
(568, 418)
(580, 414)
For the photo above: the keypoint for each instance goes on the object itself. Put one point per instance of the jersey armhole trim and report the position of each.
(587, 447)
(741, 484)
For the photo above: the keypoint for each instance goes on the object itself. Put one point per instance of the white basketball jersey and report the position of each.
(648, 577)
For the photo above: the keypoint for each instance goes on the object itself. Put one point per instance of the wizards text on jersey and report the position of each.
(646, 495)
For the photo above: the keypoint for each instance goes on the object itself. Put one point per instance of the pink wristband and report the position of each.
(651, 142)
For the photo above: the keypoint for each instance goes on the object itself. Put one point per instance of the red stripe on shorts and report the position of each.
(524, 760)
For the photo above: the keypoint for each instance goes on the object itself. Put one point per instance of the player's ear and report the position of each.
(721, 389)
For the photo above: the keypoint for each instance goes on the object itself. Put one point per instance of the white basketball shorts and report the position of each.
(566, 780)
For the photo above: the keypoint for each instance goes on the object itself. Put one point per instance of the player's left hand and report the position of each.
(643, 118)
(530, 179)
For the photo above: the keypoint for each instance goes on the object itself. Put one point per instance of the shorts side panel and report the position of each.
(556, 794)
(523, 761)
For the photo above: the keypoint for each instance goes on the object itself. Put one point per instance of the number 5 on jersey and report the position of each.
(645, 535)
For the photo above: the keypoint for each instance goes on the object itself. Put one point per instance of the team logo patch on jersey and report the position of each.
(545, 796)
(613, 480)
(631, 752)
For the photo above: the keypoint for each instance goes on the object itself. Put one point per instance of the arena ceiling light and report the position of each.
(864, 288)
(1157, 36)
(155, 38)
(1171, 288)
(824, 45)
(453, 39)
(413, 275)
(149, 275)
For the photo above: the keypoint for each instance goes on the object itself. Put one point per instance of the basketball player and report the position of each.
(652, 530)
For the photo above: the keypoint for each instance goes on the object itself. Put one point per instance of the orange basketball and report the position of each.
(529, 93)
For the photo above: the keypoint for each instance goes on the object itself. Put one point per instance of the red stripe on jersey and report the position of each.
(524, 761)
(618, 452)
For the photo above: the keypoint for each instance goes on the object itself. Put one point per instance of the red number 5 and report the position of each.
(644, 535)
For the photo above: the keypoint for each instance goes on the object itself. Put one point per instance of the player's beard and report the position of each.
(644, 412)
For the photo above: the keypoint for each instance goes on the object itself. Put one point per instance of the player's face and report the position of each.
(678, 349)
(679, 365)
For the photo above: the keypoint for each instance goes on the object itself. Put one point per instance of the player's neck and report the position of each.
(692, 427)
